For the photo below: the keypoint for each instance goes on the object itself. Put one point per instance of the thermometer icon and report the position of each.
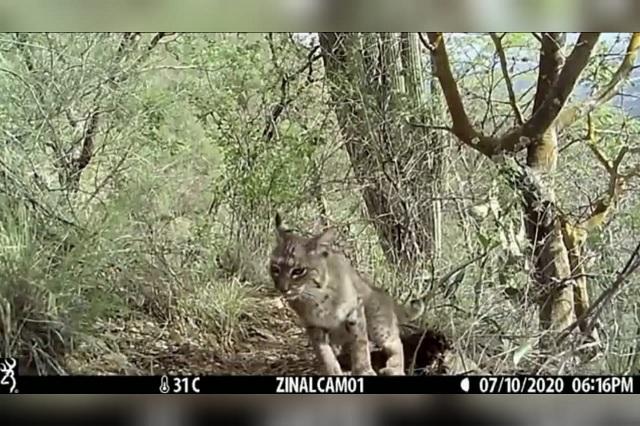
(164, 384)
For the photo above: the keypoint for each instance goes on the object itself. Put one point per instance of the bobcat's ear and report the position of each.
(327, 237)
(280, 231)
(319, 224)
(322, 242)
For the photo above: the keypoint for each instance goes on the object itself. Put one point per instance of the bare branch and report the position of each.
(591, 143)
(533, 128)
(271, 128)
(619, 158)
(497, 41)
(428, 127)
(544, 117)
(21, 39)
(462, 127)
(156, 39)
(607, 203)
(86, 152)
(127, 40)
(430, 47)
(621, 73)
(571, 114)
(537, 37)
(551, 61)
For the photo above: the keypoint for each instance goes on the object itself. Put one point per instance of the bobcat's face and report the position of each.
(291, 267)
(298, 262)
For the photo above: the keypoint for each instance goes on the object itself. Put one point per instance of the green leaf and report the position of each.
(485, 241)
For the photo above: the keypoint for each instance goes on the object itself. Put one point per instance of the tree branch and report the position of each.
(571, 114)
(91, 129)
(604, 207)
(595, 309)
(533, 128)
(86, 152)
(548, 111)
(127, 40)
(497, 41)
(430, 47)
(271, 128)
(621, 73)
(537, 37)
(462, 127)
(591, 144)
(428, 126)
(156, 39)
(24, 50)
(550, 63)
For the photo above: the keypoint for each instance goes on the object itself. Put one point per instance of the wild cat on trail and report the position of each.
(338, 307)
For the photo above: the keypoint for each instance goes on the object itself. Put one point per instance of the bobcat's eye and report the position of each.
(298, 272)
(275, 269)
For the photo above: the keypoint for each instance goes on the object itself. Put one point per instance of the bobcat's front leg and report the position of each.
(395, 356)
(356, 326)
(324, 351)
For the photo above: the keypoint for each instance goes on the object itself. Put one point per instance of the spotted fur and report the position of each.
(338, 307)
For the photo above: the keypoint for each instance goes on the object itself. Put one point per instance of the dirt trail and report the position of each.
(271, 342)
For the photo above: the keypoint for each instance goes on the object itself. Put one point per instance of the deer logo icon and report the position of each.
(7, 368)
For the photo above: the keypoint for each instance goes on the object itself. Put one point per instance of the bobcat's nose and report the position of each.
(283, 287)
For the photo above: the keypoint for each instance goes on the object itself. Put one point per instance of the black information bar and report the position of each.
(321, 384)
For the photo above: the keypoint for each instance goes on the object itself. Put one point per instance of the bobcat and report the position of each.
(338, 307)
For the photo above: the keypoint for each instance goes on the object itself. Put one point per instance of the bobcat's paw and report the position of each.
(390, 371)
(365, 372)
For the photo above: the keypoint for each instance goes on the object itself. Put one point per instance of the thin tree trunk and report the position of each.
(552, 268)
(428, 180)
(370, 76)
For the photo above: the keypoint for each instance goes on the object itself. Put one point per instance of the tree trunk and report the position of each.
(556, 80)
(428, 181)
(369, 77)
(552, 269)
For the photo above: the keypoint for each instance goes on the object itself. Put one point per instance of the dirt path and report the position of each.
(270, 342)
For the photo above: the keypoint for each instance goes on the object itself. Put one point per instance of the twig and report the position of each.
(431, 47)
(497, 41)
(537, 37)
(454, 271)
(591, 143)
(428, 126)
(271, 128)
